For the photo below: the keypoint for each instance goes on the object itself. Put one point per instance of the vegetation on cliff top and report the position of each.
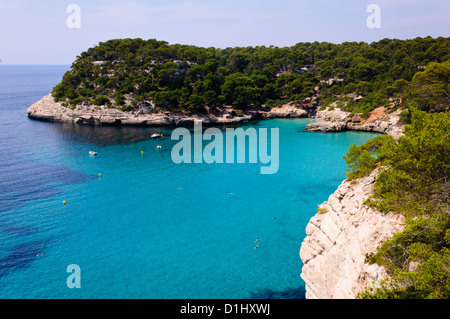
(416, 184)
(126, 73)
(414, 181)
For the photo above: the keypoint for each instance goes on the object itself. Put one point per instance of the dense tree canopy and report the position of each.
(182, 77)
(430, 90)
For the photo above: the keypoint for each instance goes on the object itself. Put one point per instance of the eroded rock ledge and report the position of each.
(379, 121)
(338, 239)
(47, 109)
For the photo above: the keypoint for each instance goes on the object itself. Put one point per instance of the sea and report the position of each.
(135, 224)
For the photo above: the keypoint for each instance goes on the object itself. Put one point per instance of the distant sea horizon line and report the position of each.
(32, 64)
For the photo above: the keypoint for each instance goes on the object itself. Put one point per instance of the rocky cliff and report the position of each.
(47, 109)
(338, 238)
(381, 120)
(344, 230)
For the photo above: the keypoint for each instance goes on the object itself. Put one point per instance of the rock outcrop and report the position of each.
(338, 238)
(47, 109)
(337, 120)
(325, 126)
(289, 110)
(335, 114)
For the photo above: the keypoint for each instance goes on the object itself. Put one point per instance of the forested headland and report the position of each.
(125, 73)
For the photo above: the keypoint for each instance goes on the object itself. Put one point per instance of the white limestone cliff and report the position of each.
(338, 238)
(46, 109)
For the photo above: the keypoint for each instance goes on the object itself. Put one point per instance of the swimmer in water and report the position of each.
(256, 240)
(257, 246)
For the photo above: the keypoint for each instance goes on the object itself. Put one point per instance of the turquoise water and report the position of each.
(149, 228)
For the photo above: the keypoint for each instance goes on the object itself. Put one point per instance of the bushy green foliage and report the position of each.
(418, 165)
(182, 77)
(413, 181)
(126, 108)
(431, 279)
(430, 89)
(100, 100)
(362, 160)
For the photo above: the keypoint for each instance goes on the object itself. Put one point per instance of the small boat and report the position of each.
(156, 135)
(92, 153)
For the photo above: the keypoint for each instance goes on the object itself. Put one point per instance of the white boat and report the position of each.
(156, 135)
(92, 153)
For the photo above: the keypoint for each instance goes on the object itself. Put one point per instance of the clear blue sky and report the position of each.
(35, 32)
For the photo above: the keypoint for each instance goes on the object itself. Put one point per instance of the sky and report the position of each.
(37, 32)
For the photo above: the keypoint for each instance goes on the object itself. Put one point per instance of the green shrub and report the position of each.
(239, 113)
(126, 108)
(362, 160)
(119, 99)
(100, 100)
(271, 104)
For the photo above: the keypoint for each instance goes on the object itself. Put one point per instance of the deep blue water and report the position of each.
(149, 228)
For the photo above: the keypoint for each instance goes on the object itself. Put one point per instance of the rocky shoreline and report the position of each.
(338, 239)
(381, 120)
(47, 109)
(336, 120)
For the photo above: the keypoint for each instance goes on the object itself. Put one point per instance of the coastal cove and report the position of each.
(149, 228)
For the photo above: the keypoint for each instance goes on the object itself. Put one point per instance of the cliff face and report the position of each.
(47, 109)
(339, 237)
(338, 240)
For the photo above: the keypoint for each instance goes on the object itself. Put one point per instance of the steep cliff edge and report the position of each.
(338, 239)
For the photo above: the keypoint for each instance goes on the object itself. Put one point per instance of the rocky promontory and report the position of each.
(338, 238)
(47, 109)
(381, 120)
